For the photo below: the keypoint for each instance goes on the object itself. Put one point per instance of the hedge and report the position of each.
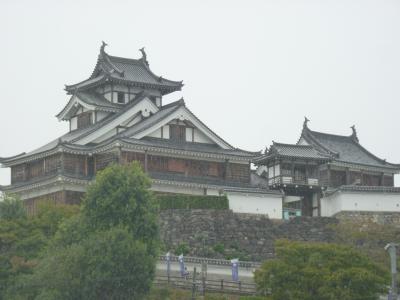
(180, 201)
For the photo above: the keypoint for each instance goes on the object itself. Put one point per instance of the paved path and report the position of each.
(213, 271)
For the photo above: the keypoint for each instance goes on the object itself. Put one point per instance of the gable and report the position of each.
(303, 142)
(135, 113)
(189, 132)
(194, 130)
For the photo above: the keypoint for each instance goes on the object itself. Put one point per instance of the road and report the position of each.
(213, 271)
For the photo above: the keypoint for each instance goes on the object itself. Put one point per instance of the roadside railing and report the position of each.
(202, 285)
(212, 261)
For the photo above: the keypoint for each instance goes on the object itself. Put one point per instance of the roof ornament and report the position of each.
(354, 133)
(144, 56)
(103, 45)
(306, 120)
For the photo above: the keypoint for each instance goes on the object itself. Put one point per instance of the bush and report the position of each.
(182, 248)
(321, 271)
(181, 201)
(108, 264)
(219, 248)
(11, 208)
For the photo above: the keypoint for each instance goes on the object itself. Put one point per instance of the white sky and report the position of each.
(252, 69)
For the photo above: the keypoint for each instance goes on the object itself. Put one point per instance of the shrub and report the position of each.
(180, 201)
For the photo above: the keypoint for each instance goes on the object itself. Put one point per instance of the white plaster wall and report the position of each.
(166, 132)
(156, 133)
(200, 137)
(277, 170)
(189, 134)
(350, 201)
(270, 205)
(74, 123)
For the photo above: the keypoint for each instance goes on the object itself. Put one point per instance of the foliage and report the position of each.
(219, 248)
(369, 237)
(178, 294)
(181, 201)
(109, 264)
(319, 271)
(107, 250)
(182, 248)
(120, 196)
(22, 240)
(11, 208)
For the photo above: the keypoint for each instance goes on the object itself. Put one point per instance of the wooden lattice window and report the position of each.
(177, 133)
(84, 119)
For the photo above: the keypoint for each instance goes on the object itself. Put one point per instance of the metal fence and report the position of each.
(211, 261)
(201, 286)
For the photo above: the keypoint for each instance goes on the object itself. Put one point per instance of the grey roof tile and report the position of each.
(125, 70)
(344, 149)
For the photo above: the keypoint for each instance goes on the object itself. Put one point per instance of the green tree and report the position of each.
(320, 271)
(121, 196)
(108, 264)
(22, 240)
(11, 208)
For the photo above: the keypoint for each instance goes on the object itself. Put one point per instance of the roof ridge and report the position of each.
(331, 134)
(348, 139)
(179, 101)
(309, 133)
(292, 145)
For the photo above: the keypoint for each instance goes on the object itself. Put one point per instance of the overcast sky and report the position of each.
(252, 69)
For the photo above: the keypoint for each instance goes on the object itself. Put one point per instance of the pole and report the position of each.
(391, 248)
(194, 284)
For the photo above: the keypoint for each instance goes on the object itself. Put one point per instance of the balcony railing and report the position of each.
(292, 180)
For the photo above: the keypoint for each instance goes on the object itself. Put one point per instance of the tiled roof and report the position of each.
(299, 151)
(292, 151)
(152, 120)
(91, 99)
(187, 146)
(368, 189)
(212, 182)
(68, 140)
(96, 99)
(344, 149)
(125, 70)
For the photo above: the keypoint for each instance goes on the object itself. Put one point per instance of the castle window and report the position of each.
(177, 133)
(120, 97)
(84, 119)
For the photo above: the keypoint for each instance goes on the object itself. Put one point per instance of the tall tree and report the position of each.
(108, 264)
(121, 196)
(321, 271)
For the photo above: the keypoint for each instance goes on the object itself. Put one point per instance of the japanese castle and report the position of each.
(117, 115)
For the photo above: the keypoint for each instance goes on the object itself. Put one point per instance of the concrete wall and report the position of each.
(359, 201)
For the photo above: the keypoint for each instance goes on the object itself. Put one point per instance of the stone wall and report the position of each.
(382, 218)
(251, 237)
